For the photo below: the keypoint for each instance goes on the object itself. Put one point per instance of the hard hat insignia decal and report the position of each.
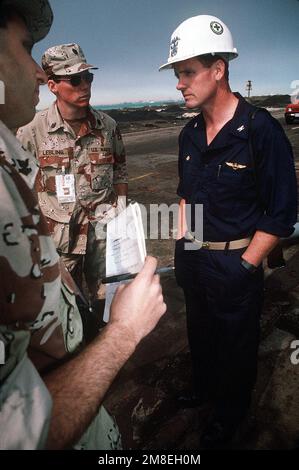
(200, 35)
(216, 27)
(174, 46)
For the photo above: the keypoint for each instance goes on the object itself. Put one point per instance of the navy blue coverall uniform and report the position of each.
(224, 299)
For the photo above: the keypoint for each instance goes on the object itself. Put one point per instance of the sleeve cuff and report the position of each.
(269, 225)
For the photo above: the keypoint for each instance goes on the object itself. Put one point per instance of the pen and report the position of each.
(127, 276)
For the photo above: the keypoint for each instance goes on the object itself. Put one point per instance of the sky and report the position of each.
(129, 39)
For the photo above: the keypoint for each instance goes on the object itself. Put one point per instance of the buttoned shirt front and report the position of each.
(96, 158)
(237, 199)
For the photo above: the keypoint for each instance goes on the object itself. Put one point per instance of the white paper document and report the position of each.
(125, 248)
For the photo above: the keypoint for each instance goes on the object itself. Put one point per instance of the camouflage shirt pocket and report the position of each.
(101, 170)
(50, 166)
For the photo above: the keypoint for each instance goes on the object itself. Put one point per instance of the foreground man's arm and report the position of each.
(78, 387)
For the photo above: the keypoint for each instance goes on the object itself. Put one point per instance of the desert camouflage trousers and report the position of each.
(90, 266)
(102, 434)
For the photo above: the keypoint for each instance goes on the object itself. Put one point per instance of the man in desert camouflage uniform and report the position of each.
(82, 164)
(39, 318)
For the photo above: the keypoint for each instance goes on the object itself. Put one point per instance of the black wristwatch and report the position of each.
(250, 267)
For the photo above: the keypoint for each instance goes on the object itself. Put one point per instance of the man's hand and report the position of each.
(139, 305)
(78, 387)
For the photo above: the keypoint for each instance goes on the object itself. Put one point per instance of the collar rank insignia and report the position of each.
(241, 128)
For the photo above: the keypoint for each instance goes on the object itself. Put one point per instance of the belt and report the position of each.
(231, 245)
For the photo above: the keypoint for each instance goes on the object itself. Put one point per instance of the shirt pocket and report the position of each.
(230, 187)
(232, 176)
(191, 176)
(101, 170)
(50, 166)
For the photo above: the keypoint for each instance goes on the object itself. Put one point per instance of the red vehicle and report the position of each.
(291, 112)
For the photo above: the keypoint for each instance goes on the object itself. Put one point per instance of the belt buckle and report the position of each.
(205, 245)
(190, 236)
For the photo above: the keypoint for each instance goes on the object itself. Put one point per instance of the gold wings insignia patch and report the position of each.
(235, 165)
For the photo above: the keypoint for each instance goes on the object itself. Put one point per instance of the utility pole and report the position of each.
(249, 87)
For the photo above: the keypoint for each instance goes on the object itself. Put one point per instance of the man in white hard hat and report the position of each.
(43, 403)
(237, 163)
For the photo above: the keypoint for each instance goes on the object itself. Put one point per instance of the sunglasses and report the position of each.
(75, 80)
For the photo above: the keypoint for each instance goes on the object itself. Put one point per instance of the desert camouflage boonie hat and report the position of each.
(66, 59)
(37, 15)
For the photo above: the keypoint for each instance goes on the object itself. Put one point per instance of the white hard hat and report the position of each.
(202, 34)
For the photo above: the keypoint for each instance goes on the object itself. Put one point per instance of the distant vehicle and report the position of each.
(291, 112)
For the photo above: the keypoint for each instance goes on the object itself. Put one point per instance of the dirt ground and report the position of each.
(142, 396)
